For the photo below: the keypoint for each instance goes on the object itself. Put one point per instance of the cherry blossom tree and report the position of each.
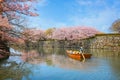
(4, 37)
(72, 33)
(32, 35)
(60, 34)
(4, 27)
(10, 10)
(14, 8)
(6, 31)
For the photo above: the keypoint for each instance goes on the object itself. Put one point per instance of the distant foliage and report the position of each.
(116, 26)
(73, 33)
(65, 33)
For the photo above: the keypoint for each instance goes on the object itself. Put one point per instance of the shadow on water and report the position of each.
(12, 70)
(55, 63)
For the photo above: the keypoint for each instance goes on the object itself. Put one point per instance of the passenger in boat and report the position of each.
(74, 52)
(71, 52)
(81, 49)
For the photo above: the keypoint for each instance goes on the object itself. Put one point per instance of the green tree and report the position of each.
(49, 32)
(116, 26)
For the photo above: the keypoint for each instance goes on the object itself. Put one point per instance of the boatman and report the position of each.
(81, 49)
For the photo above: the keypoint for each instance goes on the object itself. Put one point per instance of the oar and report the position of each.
(83, 57)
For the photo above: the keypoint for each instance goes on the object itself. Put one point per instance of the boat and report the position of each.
(77, 55)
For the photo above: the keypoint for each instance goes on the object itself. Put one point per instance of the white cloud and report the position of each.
(100, 19)
(43, 2)
(81, 2)
(90, 2)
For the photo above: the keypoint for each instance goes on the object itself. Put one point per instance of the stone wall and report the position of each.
(105, 41)
(99, 41)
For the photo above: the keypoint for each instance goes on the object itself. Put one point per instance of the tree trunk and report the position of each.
(4, 50)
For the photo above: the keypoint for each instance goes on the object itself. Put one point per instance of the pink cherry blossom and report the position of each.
(33, 35)
(71, 33)
(13, 9)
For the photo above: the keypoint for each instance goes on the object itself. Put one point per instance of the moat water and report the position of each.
(54, 64)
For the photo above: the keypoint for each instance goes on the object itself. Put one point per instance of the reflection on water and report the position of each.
(54, 64)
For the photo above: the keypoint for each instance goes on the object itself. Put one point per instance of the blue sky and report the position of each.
(67, 13)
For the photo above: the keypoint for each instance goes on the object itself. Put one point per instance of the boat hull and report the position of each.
(79, 56)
